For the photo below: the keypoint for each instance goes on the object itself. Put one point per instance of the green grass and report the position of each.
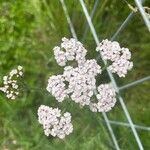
(28, 32)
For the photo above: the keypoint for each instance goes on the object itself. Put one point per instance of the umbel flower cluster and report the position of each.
(69, 50)
(119, 57)
(106, 98)
(54, 123)
(78, 82)
(10, 83)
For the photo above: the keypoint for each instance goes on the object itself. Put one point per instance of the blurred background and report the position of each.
(29, 29)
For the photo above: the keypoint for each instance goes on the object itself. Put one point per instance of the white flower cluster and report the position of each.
(70, 49)
(106, 99)
(118, 56)
(79, 82)
(54, 123)
(11, 83)
(57, 87)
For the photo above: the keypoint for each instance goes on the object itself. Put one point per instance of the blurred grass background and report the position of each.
(29, 29)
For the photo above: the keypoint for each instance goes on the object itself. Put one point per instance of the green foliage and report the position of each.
(29, 29)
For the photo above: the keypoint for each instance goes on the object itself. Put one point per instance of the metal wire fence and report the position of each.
(134, 127)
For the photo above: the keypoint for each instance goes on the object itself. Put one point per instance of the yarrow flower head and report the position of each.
(11, 87)
(57, 87)
(54, 123)
(119, 57)
(77, 82)
(106, 99)
(81, 81)
(70, 49)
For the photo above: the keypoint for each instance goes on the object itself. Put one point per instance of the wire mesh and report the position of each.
(108, 122)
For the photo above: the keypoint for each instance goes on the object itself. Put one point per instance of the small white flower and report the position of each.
(119, 57)
(81, 81)
(20, 68)
(13, 72)
(121, 67)
(11, 87)
(54, 123)
(56, 87)
(5, 78)
(20, 73)
(106, 99)
(70, 49)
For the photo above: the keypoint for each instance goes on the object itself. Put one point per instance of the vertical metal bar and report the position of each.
(89, 21)
(111, 77)
(111, 131)
(91, 16)
(142, 11)
(68, 19)
(104, 114)
(109, 127)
